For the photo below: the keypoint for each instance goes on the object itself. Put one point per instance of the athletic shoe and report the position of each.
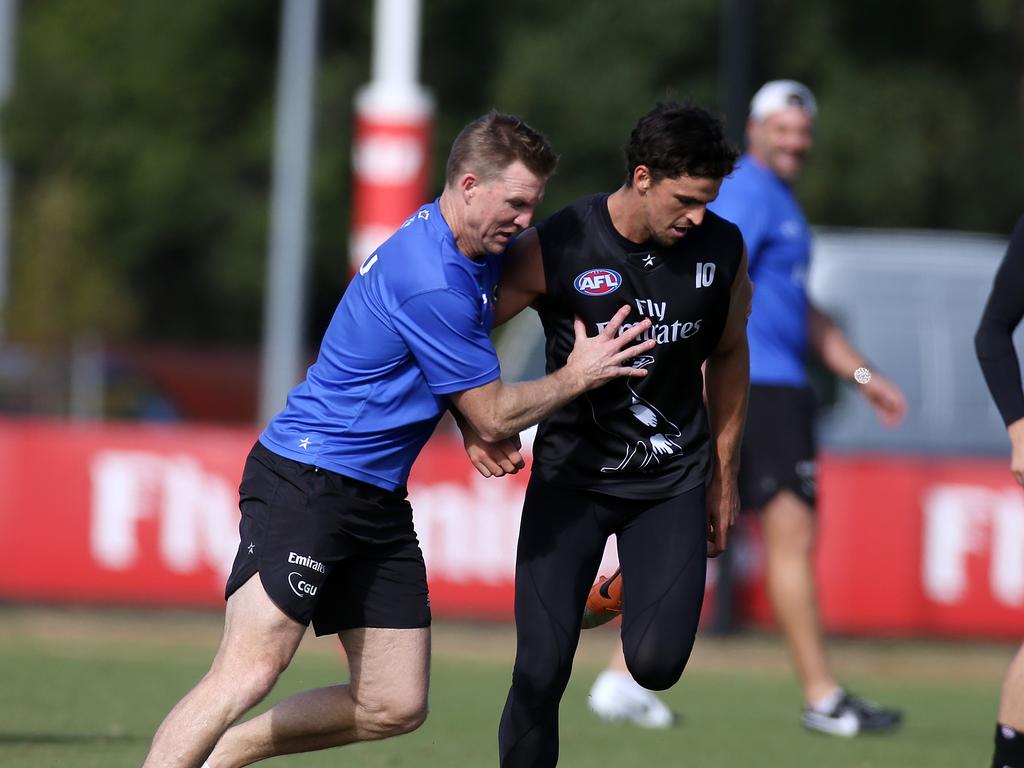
(852, 715)
(604, 602)
(618, 698)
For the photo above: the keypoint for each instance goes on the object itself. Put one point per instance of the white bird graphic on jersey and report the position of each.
(646, 433)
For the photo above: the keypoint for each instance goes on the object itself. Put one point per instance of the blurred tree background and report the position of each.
(140, 134)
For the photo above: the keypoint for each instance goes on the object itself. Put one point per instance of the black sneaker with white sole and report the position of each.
(851, 716)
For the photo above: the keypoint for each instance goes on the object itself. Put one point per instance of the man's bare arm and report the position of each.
(522, 279)
(830, 344)
(727, 383)
(727, 377)
(842, 358)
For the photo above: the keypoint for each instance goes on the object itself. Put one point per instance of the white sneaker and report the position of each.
(852, 715)
(618, 698)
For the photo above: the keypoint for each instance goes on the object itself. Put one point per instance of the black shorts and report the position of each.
(778, 450)
(329, 549)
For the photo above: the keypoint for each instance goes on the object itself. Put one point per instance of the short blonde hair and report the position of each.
(491, 143)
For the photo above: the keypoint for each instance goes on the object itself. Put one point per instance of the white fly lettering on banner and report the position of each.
(468, 532)
(965, 521)
(196, 511)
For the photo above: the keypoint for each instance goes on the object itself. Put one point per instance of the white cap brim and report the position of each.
(778, 95)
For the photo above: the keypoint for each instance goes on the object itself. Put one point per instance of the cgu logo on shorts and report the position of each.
(597, 282)
(300, 586)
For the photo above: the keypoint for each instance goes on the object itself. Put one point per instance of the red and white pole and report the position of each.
(394, 122)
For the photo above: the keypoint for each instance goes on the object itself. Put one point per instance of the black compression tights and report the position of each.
(662, 551)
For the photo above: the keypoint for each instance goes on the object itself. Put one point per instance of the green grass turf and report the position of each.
(97, 704)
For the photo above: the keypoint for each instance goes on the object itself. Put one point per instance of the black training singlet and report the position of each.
(648, 437)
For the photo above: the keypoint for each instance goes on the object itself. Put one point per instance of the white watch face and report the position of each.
(862, 375)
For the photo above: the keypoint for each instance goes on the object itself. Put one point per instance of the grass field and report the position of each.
(87, 688)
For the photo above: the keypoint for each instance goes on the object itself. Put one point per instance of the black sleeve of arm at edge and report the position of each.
(993, 341)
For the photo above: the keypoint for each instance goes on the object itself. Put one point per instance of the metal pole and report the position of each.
(734, 93)
(284, 307)
(8, 20)
(736, 65)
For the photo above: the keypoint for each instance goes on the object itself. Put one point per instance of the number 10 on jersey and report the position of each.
(705, 274)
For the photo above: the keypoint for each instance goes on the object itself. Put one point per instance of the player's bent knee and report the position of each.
(395, 722)
(410, 720)
(392, 719)
(657, 671)
(658, 679)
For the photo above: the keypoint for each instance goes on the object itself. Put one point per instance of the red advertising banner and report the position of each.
(148, 515)
(124, 514)
(912, 545)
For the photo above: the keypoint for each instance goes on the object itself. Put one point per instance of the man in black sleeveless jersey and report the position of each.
(777, 478)
(644, 460)
(999, 363)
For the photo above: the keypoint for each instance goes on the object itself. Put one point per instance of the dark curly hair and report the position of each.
(679, 139)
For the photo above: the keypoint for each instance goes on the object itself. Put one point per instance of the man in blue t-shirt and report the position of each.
(777, 467)
(325, 523)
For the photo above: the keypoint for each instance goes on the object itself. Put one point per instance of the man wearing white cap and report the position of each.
(777, 474)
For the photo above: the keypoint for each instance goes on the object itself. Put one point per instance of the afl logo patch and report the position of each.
(597, 282)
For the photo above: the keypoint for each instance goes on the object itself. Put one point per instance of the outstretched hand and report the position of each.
(596, 360)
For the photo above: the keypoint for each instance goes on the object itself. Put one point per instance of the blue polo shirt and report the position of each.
(779, 250)
(412, 327)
